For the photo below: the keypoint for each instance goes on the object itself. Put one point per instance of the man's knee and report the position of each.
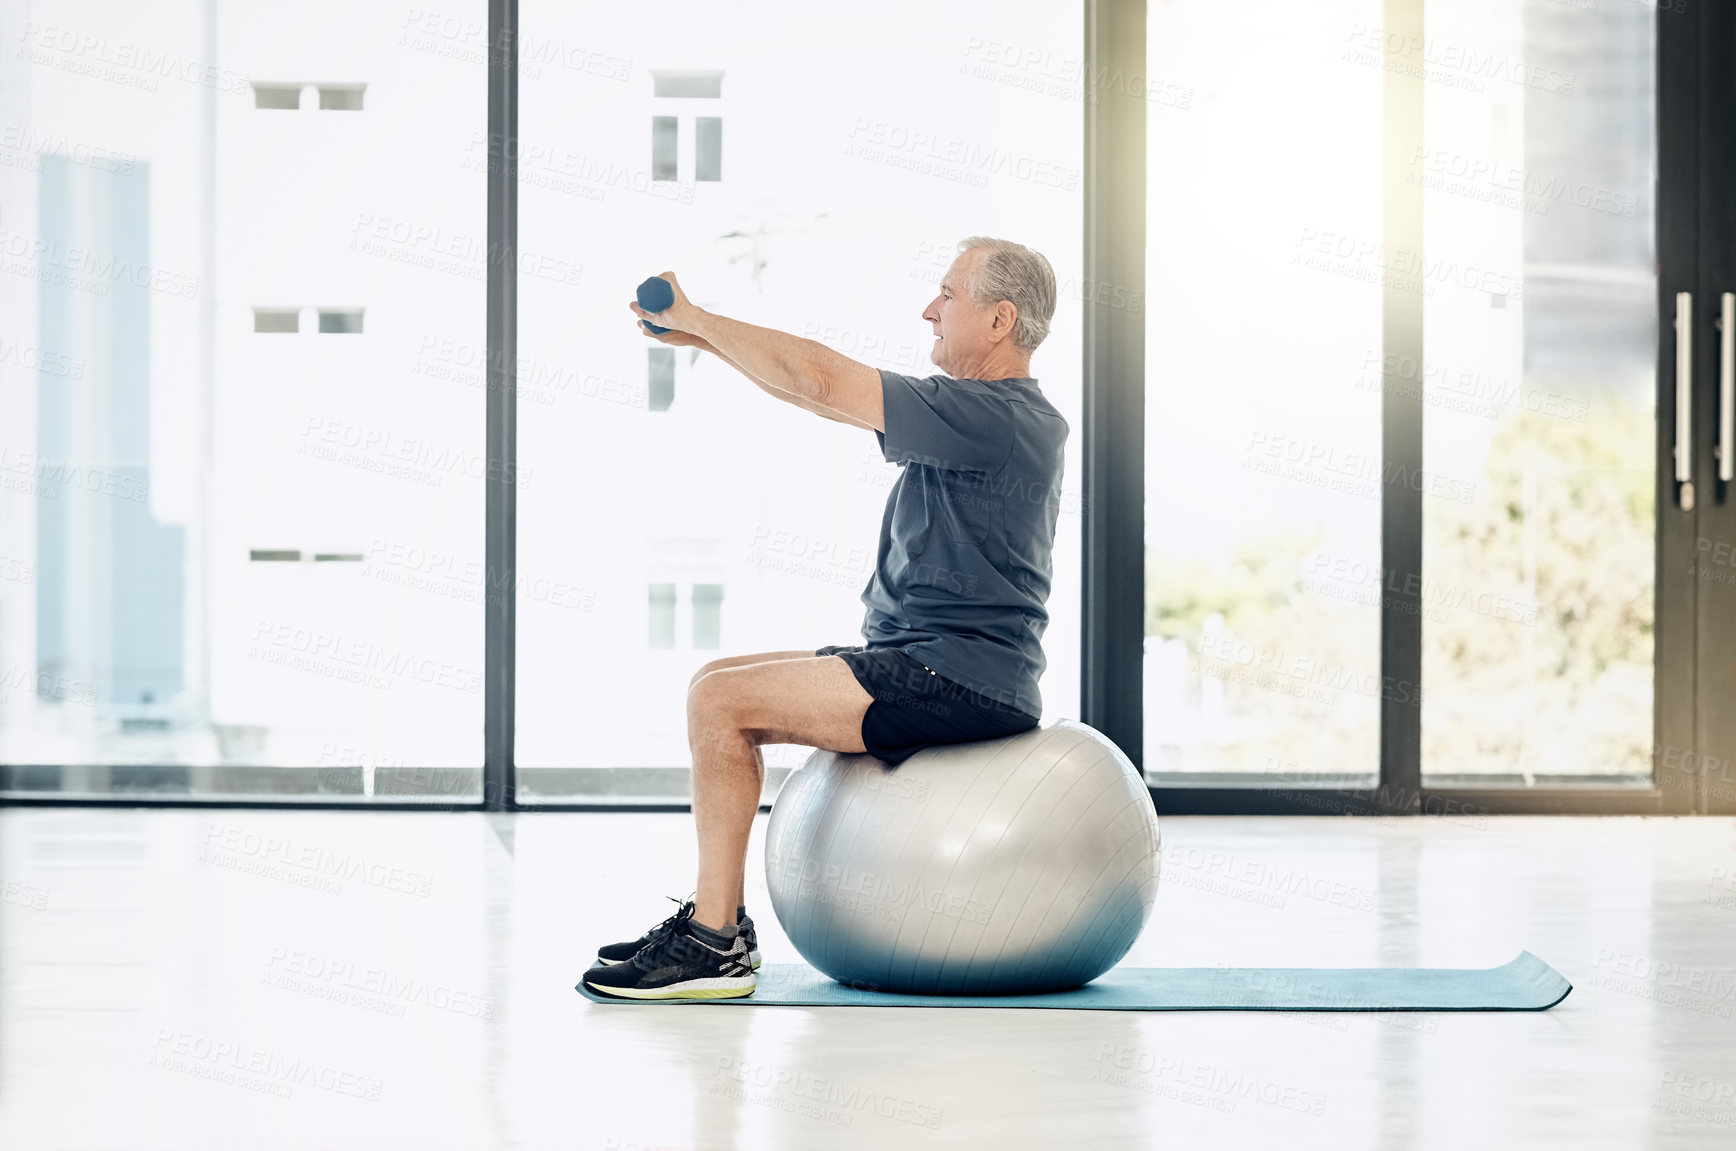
(708, 699)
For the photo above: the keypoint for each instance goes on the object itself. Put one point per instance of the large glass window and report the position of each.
(680, 514)
(1536, 276)
(242, 374)
(241, 398)
(1263, 337)
(1539, 391)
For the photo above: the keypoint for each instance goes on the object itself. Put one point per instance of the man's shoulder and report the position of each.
(940, 380)
(1023, 394)
(1023, 390)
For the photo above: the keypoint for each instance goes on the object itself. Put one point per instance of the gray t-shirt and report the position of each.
(967, 545)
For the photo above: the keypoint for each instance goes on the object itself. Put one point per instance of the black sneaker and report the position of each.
(617, 952)
(679, 965)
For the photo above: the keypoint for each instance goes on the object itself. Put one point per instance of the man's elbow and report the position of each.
(812, 385)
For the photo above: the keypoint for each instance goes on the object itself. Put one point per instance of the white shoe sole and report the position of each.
(717, 987)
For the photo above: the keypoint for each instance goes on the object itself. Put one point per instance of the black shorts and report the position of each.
(914, 708)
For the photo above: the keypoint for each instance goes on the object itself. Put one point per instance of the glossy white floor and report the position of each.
(377, 980)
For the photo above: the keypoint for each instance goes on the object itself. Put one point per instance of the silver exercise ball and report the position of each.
(1003, 867)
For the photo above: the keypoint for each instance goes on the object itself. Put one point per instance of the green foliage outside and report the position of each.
(1537, 633)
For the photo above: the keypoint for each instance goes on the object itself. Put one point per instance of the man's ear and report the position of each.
(1005, 315)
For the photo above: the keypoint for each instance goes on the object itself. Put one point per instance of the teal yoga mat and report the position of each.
(1525, 984)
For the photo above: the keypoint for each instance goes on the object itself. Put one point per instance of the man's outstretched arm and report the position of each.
(679, 339)
(780, 362)
(805, 368)
(789, 397)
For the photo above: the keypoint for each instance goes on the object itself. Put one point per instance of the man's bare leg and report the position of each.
(813, 700)
(758, 758)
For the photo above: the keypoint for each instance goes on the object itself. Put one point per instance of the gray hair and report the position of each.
(1014, 273)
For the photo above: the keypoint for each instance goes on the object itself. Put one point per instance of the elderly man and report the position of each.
(955, 607)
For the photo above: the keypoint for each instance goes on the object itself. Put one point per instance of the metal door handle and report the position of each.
(1685, 399)
(1726, 386)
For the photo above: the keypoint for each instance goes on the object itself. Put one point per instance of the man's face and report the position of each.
(961, 329)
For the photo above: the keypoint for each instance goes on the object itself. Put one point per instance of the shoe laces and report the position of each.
(650, 953)
(662, 930)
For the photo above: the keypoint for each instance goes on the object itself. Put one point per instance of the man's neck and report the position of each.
(1000, 370)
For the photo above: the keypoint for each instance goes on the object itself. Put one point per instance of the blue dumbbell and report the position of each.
(656, 295)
